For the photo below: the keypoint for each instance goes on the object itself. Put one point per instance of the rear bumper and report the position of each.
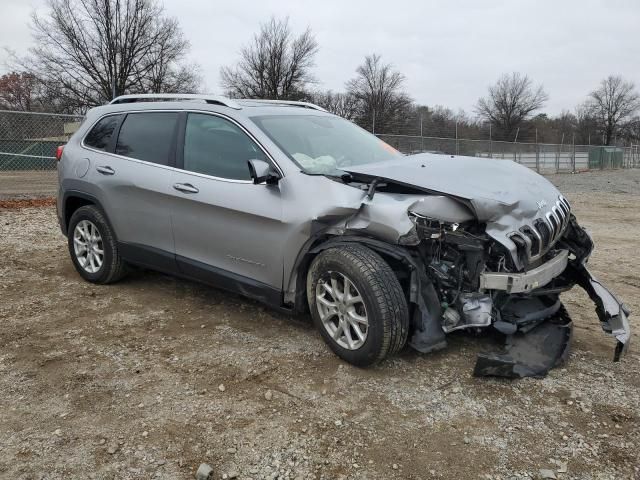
(59, 211)
(61, 223)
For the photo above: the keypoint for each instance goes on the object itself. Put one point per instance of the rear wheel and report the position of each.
(93, 247)
(357, 304)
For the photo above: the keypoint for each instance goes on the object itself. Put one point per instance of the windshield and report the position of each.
(323, 144)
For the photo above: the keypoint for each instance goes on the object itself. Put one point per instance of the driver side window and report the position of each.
(217, 147)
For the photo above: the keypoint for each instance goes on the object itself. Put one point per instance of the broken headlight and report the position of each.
(432, 228)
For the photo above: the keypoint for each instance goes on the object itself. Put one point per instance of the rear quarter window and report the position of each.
(100, 135)
(147, 136)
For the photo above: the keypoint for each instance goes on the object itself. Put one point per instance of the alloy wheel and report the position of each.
(342, 310)
(88, 246)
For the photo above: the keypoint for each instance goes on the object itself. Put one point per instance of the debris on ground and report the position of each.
(546, 474)
(205, 472)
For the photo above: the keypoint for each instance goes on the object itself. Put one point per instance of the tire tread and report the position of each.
(117, 268)
(386, 289)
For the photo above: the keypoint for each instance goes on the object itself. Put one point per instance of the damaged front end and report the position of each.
(479, 283)
(477, 256)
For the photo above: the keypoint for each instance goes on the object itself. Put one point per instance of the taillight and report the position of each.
(59, 152)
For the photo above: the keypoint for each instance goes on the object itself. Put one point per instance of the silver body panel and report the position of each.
(137, 198)
(526, 281)
(262, 232)
(221, 224)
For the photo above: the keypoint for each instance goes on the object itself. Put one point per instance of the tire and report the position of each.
(383, 303)
(112, 267)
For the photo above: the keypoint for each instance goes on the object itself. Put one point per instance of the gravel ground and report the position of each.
(606, 181)
(153, 376)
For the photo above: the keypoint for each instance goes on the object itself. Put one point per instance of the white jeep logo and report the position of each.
(541, 204)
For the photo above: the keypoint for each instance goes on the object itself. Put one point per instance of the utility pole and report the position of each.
(573, 141)
(457, 148)
(537, 153)
(421, 136)
(559, 153)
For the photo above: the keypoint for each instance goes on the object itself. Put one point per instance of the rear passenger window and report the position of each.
(214, 146)
(147, 136)
(100, 135)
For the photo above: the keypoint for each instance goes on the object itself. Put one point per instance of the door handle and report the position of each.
(185, 188)
(105, 170)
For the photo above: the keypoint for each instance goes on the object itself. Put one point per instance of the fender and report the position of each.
(427, 334)
(322, 241)
(64, 220)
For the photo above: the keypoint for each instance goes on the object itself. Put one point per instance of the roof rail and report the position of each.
(291, 103)
(145, 97)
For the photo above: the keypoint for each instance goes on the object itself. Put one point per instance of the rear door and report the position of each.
(226, 228)
(134, 181)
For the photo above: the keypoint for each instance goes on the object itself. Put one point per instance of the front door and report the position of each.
(226, 229)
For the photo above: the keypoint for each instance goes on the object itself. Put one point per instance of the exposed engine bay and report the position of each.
(478, 285)
(481, 259)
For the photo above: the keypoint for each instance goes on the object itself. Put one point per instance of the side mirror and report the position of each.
(263, 172)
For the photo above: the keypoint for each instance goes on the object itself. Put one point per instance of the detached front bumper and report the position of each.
(613, 314)
(534, 351)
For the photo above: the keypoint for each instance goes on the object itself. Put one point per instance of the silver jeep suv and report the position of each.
(302, 210)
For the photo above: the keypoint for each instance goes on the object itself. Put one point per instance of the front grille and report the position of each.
(545, 232)
(535, 238)
(533, 241)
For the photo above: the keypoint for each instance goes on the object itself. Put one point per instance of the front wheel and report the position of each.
(357, 304)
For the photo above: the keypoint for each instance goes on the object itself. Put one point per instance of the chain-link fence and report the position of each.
(28, 143)
(542, 157)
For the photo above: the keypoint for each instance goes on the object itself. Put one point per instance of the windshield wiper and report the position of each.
(346, 177)
(372, 187)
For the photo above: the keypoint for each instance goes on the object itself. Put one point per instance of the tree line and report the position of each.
(89, 51)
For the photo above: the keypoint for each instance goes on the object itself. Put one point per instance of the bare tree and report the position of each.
(274, 66)
(378, 88)
(92, 50)
(23, 91)
(341, 104)
(632, 130)
(613, 104)
(586, 125)
(18, 91)
(510, 102)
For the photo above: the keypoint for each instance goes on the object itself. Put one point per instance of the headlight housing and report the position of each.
(432, 228)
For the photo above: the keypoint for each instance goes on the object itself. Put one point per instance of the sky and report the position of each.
(449, 51)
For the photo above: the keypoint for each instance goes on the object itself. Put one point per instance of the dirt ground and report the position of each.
(152, 376)
(28, 184)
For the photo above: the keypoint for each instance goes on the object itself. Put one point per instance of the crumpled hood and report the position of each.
(491, 187)
(501, 193)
